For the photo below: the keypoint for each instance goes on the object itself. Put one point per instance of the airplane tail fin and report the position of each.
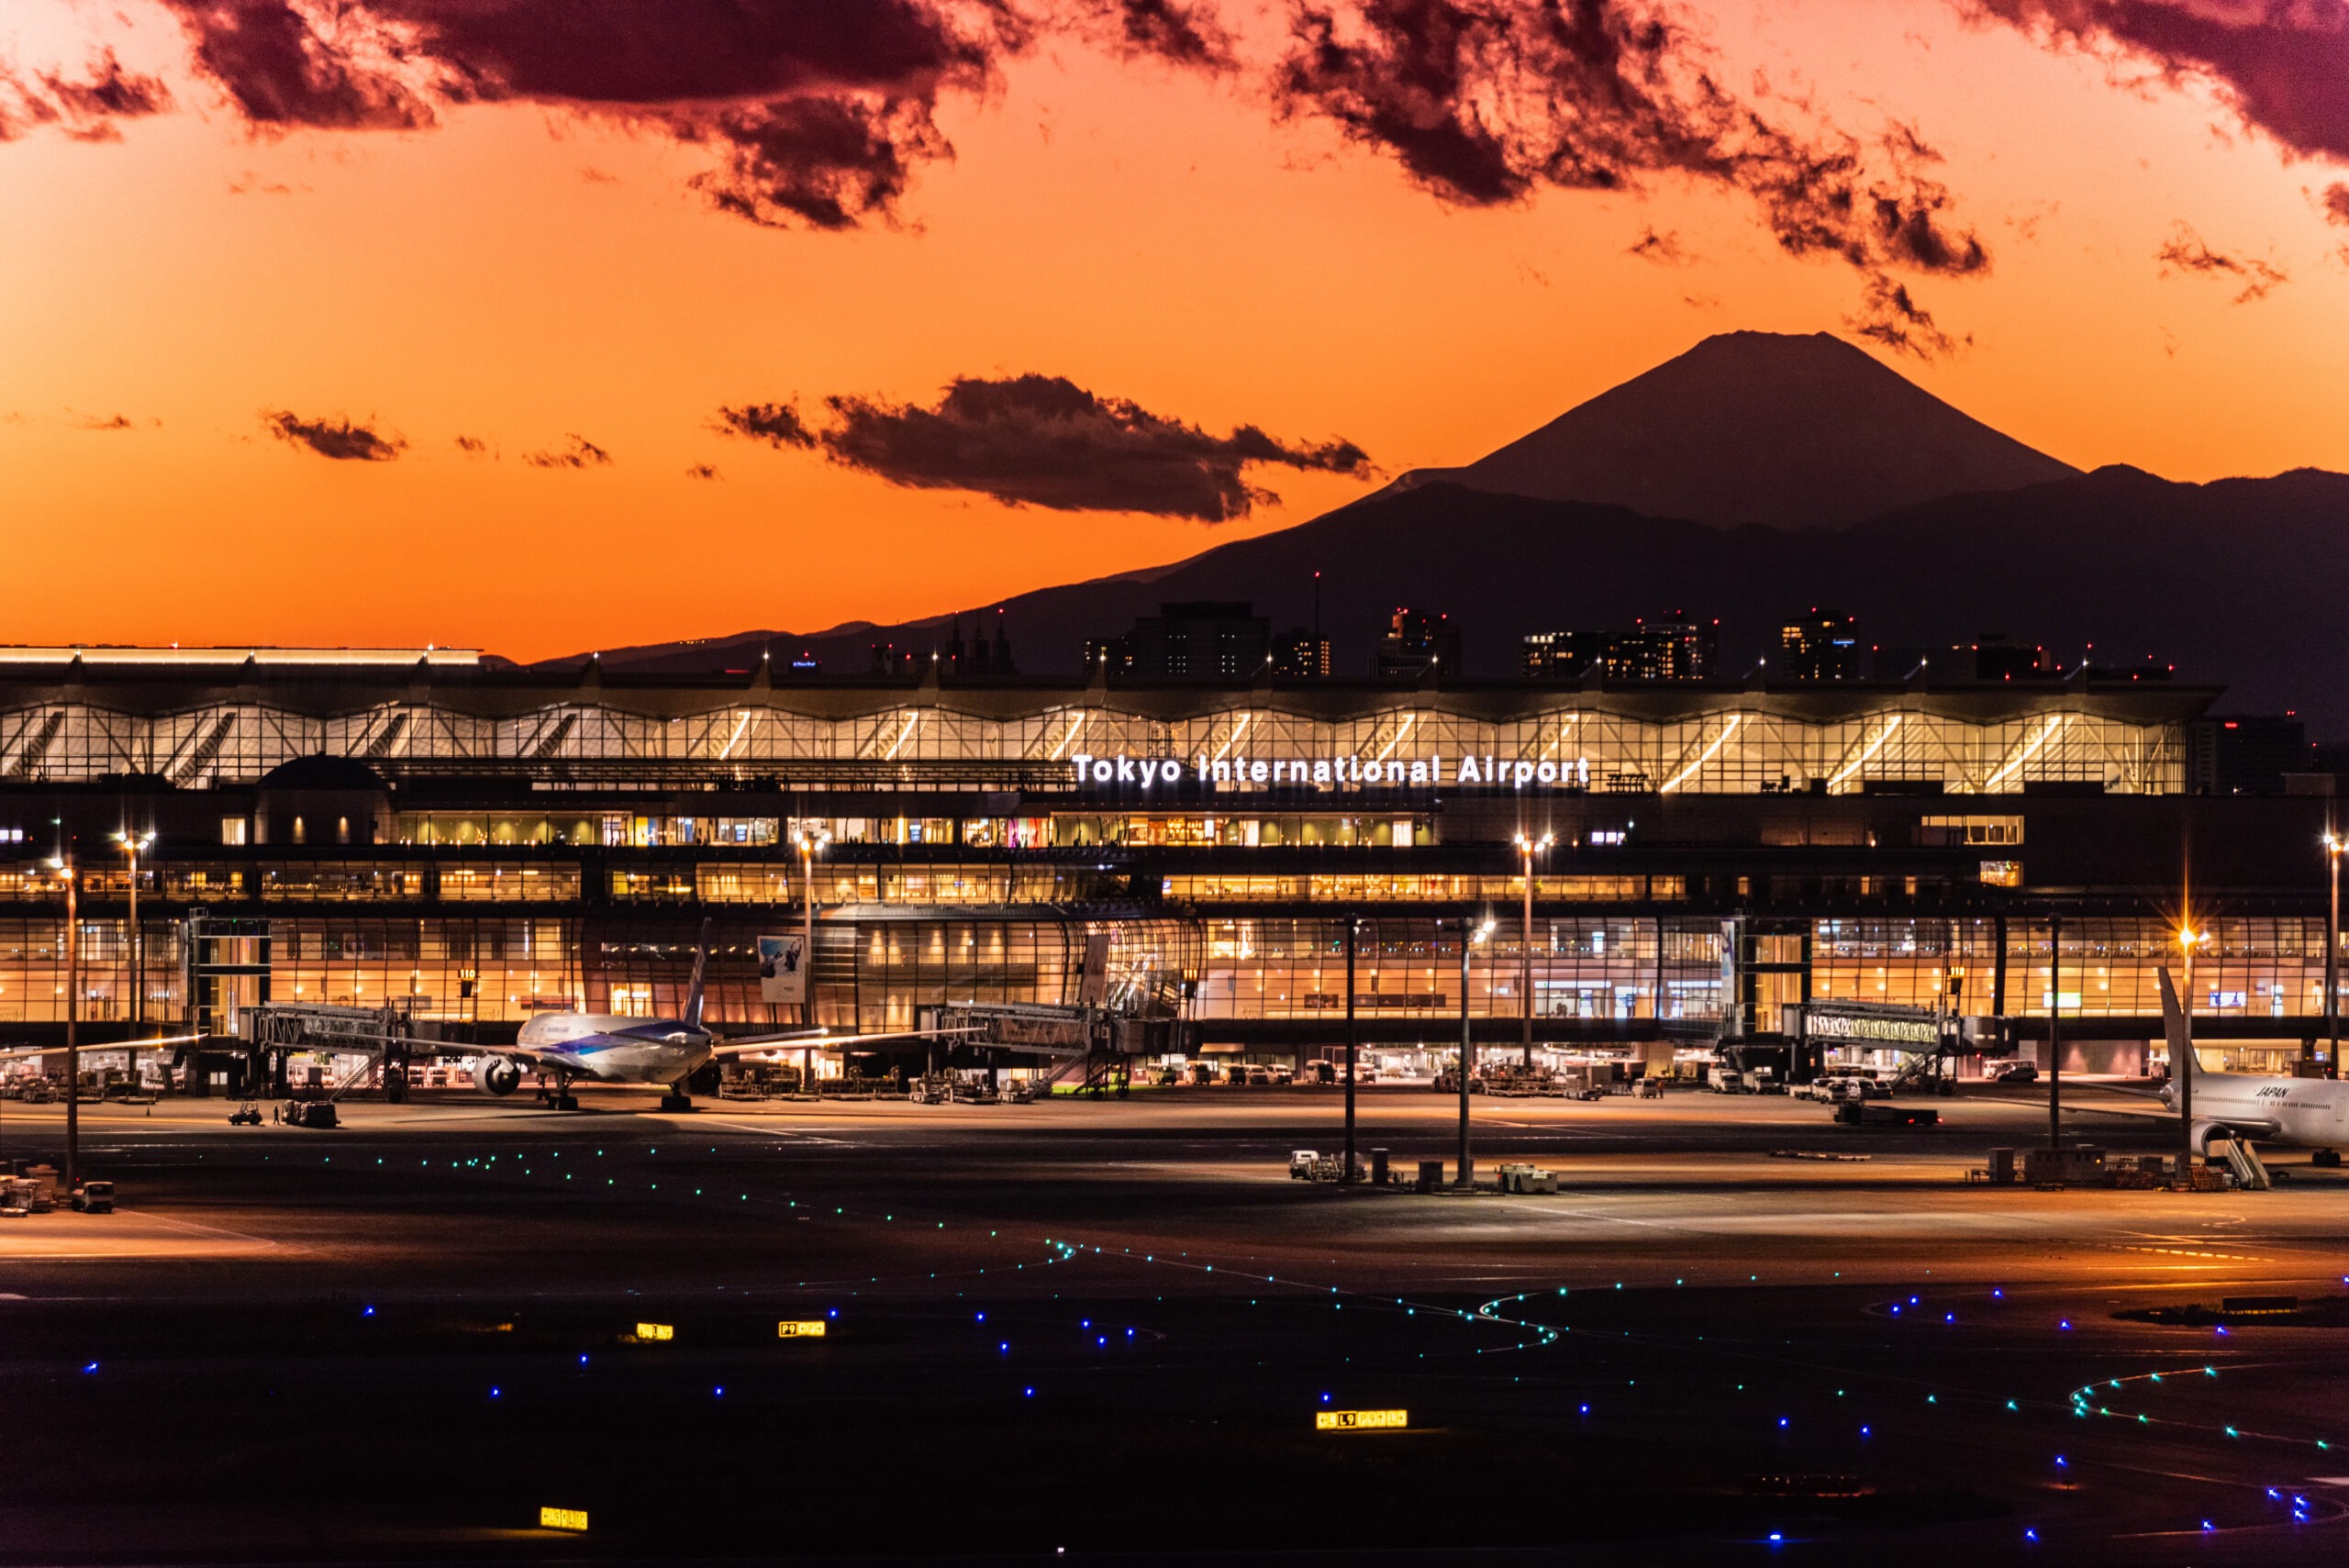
(2182, 1064)
(693, 988)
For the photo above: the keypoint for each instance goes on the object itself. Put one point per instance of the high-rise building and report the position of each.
(1669, 647)
(2245, 753)
(1417, 641)
(1196, 640)
(1301, 654)
(1823, 645)
(1567, 655)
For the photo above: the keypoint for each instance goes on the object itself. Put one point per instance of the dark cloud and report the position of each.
(283, 69)
(2336, 204)
(472, 446)
(109, 91)
(1485, 102)
(827, 162)
(2184, 252)
(778, 424)
(702, 470)
(84, 107)
(1663, 249)
(818, 110)
(1044, 442)
(2283, 64)
(114, 422)
(1889, 315)
(821, 113)
(577, 453)
(1168, 29)
(339, 438)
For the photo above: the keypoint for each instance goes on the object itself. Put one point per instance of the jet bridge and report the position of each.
(1099, 1041)
(385, 1036)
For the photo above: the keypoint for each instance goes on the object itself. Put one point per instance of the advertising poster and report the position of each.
(782, 968)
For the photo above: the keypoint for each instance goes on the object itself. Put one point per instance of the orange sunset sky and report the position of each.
(533, 266)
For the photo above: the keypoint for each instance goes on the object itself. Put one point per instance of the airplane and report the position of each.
(2303, 1113)
(609, 1047)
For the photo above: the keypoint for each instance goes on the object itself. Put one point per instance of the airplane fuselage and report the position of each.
(2311, 1113)
(612, 1049)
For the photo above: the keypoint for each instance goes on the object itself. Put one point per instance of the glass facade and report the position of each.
(477, 846)
(1701, 740)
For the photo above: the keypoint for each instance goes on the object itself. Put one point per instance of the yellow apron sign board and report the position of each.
(562, 1519)
(656, 1331)
(803, 1329)
(1360, 1420)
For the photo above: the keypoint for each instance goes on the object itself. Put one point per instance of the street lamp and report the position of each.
(2333, 846)
(1467, 1051)
(2182, 1072)
(131, 845)
(63, 865)
(1526, 850)
(810, 837)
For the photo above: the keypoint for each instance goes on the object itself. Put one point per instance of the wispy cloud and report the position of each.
(2185, 252)
(339, 438)
(577, 452)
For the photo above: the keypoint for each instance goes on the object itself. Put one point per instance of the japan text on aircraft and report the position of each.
(1333, 773)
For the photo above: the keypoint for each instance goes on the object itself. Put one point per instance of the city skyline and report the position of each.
(551, 355)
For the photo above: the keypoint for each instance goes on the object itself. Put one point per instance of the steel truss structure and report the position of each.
(1693, 740)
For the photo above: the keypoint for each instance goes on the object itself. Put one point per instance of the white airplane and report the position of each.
(2304, 1113)
(610, 1047)
(604, 1048)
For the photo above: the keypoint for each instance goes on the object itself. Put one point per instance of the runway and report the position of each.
(1864, 1354)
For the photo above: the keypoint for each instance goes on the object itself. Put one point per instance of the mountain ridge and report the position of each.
(1793, 431)
(2228, 579)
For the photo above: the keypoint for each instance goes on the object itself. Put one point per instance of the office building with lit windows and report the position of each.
(469, 842)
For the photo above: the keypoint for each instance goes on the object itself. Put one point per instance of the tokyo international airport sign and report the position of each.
(1124, 771)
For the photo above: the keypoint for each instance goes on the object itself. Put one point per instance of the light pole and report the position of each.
(1526, 850)
(2333, 845)
(810, 837)
(2055, 1032)
(2182, 1072)
(63, 865)
(1469, 942)
(131, 844)
(1354, 1047)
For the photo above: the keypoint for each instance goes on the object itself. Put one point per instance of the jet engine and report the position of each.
(499, 1075)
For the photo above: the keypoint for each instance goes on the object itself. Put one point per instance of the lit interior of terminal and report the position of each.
(473, 844)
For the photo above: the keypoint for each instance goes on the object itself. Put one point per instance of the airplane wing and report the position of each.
(2152, 1113)
(824, 1040)
(16, 1050)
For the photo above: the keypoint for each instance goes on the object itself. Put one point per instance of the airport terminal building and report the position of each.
(1261, 870)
